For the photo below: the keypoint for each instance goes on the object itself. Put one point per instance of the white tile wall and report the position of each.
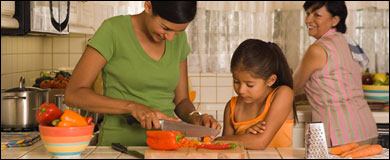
(60, 45)
(213, 92)
(29, 55)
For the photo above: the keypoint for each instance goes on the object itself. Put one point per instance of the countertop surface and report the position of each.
(304, 114)
(38, 151)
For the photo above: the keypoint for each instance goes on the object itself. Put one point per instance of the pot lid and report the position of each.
(22, 87)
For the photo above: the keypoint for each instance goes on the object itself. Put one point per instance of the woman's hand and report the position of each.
(205, 120)
(257, 128)
(148, 117)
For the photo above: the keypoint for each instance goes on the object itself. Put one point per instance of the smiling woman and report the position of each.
(143, 61)
(330, 75)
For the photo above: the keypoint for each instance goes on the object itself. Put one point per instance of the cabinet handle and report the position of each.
(59, 27)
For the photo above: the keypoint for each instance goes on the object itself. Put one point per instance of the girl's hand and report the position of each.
(206, 120)
(149, 117)
(257, 128)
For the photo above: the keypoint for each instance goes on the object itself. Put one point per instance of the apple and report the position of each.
(367, 79)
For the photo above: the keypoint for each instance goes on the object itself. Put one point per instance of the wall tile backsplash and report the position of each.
(213, 91)
(28, 56)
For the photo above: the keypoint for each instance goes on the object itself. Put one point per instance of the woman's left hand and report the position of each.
(206, 120)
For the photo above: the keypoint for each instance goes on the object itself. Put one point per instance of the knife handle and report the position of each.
(119, 147)
(130, 120)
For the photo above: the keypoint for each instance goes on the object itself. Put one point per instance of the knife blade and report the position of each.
(188, 130)
(123, 149)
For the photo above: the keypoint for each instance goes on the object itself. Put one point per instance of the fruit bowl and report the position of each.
(65, 142)
(376, 92)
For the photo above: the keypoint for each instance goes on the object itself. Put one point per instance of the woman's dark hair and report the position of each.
(336, 8)
(175, 11)
(263, 59)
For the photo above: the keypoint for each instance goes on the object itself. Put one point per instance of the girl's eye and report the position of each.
(250, 86)
(317, 15)
(166, 29)
(236, 82)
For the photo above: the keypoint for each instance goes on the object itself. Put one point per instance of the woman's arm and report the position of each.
(314, 59)
(184, 106)
(79, 94)
(280, 109)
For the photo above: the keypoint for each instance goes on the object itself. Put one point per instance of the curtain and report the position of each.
(219, 27)
(216, 33)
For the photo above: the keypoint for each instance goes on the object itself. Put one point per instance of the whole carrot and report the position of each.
(369, 151)
(343, 148)
(353, 150)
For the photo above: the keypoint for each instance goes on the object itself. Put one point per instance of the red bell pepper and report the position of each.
(88, 118)
(46, 113)
(164, 140)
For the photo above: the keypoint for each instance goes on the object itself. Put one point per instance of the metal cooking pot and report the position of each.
(18, 106)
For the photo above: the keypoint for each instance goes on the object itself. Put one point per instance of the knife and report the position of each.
(123, 149)
(188, 130)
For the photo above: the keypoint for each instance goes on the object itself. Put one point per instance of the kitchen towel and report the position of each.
(19, 139)
(357, 52)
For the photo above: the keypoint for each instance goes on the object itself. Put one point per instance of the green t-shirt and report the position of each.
(131, 74)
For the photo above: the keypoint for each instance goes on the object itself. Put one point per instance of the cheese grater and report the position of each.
(315, 141)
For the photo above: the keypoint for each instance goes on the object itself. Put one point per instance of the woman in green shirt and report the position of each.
(143, 59)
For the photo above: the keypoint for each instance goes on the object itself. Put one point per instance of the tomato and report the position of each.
(60, 84)
(46, 84)
(59, 77)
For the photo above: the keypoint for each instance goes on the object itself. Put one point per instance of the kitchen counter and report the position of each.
(304, 114)
(38, 151)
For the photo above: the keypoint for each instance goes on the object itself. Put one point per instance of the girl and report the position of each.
(263, 82)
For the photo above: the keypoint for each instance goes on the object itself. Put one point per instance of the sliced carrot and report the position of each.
(206, 139)
(369, 151)
(343, 148)
(353, 150)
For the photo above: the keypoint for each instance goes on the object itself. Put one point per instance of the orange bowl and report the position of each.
(192, 95)
(66, 141)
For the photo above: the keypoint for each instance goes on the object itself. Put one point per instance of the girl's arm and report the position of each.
(314, 59)
(227, 123)
(280, 108)
(184, 106)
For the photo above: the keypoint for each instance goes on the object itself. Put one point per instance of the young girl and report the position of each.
(263, 82)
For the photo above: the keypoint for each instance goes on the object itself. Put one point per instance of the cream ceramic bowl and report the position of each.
(376, 92)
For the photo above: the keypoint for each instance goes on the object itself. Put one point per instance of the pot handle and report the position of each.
(13, 97)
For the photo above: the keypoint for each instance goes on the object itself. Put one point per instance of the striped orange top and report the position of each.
(283, 138)
(336, 95)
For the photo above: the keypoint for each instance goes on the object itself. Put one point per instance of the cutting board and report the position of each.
(201, 153)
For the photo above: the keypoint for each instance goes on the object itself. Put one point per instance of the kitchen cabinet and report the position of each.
(7, 13)
(87, 16)
(81, 18)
